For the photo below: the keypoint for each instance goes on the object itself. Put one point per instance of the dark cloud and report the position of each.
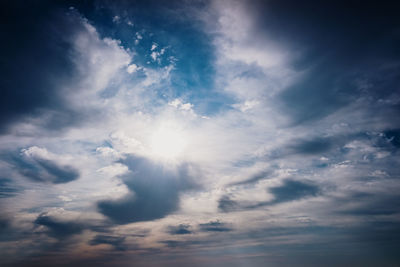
(155, 191)
(379, 233)
(116, 241)
(215, 226)
(316, 146)
(185, 243)
(172, 243)
(253, 179)
(7, 188)
(37, 62)
(226, 204)
(61, 174)
(292, 190)
(369, 204)
(375, 241)
(4, 224)
(41, 170)
(347, 50)
(393, 137)
(335, 145)
(313, 145)
(59, 229)
(182, 229)
(9, 232)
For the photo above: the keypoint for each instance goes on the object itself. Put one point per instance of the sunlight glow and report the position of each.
(168, 142)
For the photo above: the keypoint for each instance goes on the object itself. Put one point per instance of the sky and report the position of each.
(199, 133)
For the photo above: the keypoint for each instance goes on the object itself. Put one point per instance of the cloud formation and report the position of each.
(181, 229)
(115, 241)
(34, 164)
(217, 133)
(154, 191)
(59, 229)
(215, 226)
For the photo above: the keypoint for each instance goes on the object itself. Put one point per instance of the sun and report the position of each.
(168, 142)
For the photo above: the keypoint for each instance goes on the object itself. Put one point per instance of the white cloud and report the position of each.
(239, 41)
(99, 62)
(113, 170)
(139, 37)
(132, 68)
(116, 19)
(184, 107)
(108, 152)
(177, 103)
(379, 173)
(154, 76)
(124, 143)
(154, 55)
(35, 152)
(247, 105)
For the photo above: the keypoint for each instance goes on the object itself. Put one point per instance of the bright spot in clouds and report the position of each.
(168, 142)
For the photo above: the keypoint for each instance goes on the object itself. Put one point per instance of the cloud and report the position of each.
(4, 224)
(132, 68)
(7, 188)
(36, 164)
(368, 204)
(254, 178)
(40, 42)
(155, 55)
(289, 191)
(316, 146)
(181, 229)
(74, 60)
(226, 204)
(304, 78)
(393, 137)
(185, 107)
(172, 243)
(56, 174)
(9, 232)
(214, 226)
(116, 19)
(59, 229)
(154, 191)
(292, 190)
(116, 241)
(298, 153)
(332, 74)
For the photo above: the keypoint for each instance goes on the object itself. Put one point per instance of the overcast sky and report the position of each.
(199, 133)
